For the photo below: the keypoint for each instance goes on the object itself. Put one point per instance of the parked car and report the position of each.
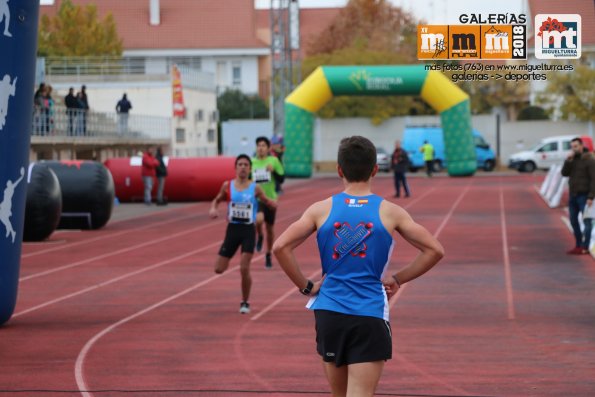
(549, 151)
(383, 159)
(414, 137)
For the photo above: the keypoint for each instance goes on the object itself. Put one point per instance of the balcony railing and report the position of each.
(78, 123)
(112, 67)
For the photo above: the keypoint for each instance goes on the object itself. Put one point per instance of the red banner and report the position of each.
(178, 96)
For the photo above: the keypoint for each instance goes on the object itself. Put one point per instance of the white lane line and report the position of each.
(281, 299)
(506, 256)
(104, 236)
(454, 206)
(116, 279)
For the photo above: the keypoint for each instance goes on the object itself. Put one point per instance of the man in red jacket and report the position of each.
(150, 163)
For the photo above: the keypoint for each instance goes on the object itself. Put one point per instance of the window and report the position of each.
(549, 147)
(480, 142)
(180, 135)
(198, 116)
(236, 72)
(214, 117)
(211, 135)
(566, 145)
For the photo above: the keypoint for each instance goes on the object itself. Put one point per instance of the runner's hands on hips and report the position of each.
(316, 287)
(390, 286)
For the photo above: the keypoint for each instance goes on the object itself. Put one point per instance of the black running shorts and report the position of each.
(269, 214)
(345, 339)
(238, 234)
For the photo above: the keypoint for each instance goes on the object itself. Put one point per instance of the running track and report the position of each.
(135, 308)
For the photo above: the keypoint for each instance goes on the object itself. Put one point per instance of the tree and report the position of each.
(533, 113)
(572, 93)
(77, 31)
(367, 32)
(233, 104)
(375, 24)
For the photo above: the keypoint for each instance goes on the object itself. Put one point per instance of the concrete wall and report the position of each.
(239, 136)
(514, 136)
(223, 74)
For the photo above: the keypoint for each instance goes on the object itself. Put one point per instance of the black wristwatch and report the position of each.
(308, 289)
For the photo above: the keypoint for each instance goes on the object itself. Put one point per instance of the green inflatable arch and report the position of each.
(328, 81)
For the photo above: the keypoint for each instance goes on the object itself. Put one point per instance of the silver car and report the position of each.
(383, 159)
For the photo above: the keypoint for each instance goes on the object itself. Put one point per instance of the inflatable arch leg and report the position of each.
(328, 81)
(18, 43)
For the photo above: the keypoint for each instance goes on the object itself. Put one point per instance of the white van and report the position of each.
(549, 151)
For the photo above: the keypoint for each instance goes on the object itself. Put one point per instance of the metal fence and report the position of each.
(112, 66)
(63, 122)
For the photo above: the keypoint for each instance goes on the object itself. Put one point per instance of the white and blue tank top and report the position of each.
(243, 204)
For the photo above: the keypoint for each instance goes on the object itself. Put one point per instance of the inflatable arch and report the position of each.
(328, 81)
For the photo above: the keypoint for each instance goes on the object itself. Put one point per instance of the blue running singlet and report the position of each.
(243, 204)
(355, 249)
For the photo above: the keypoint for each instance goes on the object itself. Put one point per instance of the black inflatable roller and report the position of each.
(44, 203)
(87, 193)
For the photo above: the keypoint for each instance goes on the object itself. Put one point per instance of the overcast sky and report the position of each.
(433, 11)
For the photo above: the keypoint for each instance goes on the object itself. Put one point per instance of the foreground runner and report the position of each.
(266, 170)
(355, 242)
(242, 195)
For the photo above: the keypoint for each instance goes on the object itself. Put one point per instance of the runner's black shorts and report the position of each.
(269, 214)
(345, 339)
(238, 234)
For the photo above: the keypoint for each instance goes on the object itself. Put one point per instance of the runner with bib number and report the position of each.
(266, 171)
(243, 196)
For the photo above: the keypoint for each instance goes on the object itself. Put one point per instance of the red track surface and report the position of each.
(136, 306)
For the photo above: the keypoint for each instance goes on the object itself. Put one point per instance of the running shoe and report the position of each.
(575, 251)
(268, 263)
(259, 243)
(244, 308)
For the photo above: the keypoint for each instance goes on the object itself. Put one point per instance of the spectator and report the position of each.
(428, 150)
(40, 110)
(72, 106)
(161, 172)
(80, 115)
(150, 163)
(84, 109)
(580, 168)
(278, 148)
(123, 107)
(51, 109)
(400, 164)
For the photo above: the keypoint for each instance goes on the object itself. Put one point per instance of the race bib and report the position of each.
(261, 175)
(241, 212)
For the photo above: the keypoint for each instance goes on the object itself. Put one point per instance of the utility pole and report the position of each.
(285, 44)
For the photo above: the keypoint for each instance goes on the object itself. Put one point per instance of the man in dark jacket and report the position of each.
(72, 106)
(400, 165)
(580, 168)
(161, 172)
(123, 108)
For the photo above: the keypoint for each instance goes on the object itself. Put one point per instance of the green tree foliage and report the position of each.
(367, 32)
(485, 95)
(573, 92)
(533, 113)
(77, 31)
(233, 104)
